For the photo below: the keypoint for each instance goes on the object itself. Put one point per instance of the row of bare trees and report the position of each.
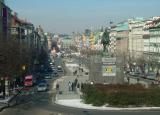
(16, 59)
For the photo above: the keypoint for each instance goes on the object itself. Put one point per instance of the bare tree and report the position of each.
(15, 59)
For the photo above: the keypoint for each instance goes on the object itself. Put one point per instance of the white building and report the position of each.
(136, 42)
(152, 39)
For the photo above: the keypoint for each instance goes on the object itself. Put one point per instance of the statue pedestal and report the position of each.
(106, 54)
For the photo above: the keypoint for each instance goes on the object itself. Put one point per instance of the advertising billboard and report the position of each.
(109, 67)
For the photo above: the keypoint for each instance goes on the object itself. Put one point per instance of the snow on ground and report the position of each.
(77, 103)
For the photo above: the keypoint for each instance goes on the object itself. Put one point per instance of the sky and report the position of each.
(67, 16)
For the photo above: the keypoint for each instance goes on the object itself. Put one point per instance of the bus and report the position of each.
(29, 80)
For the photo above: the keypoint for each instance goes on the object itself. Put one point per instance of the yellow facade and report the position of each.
(91, 41)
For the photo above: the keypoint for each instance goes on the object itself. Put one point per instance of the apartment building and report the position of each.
(136, 42)
(152, 39)
(5, 20)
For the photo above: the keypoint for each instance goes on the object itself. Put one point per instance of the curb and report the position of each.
(103, 108)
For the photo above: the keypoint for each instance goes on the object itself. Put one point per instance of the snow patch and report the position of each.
(78, 103)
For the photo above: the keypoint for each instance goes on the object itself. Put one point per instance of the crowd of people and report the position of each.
(72, 86)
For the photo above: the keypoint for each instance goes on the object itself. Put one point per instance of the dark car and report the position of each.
(55, 74)
(47, 76)
(41, 81)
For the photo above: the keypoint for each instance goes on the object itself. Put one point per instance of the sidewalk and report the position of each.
(6, 102)
(64, 92)
(6, 99)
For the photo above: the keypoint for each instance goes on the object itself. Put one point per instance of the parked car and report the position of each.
(54, 68)
(42, 87)
(151, 75)
(59, 69)
(47, 76)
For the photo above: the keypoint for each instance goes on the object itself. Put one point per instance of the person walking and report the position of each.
(57, 87)
(78, 85)
(69, 86)
(78, 88)
(72, 86)
(75, 82)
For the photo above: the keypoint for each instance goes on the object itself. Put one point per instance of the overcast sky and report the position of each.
(66, 16)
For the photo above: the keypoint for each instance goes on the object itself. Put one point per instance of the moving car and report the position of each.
(42, 87)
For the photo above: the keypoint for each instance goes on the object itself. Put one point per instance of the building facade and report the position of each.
(152, 41)
(5, 20)
(119, 39)
(136, 42)
(23, 31)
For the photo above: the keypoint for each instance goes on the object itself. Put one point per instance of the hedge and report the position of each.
(121, 97)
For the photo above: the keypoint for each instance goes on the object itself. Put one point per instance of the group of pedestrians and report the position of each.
(72, 86)
(77, 72)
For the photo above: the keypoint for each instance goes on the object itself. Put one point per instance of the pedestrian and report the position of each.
(70, 86)
(78, 88)
(78, 85)
(82, 69)
(57, 86)
(76, 81)
(77, 76)
(76, 72)
(82, 86)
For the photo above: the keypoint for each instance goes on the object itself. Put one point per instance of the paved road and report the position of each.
(42, 103)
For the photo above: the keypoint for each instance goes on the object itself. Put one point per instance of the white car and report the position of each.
(59, 54)
(42, 87)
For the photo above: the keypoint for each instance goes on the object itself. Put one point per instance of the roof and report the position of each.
(21, 21)
(2, 2)
(122, 26)
(155, 23)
